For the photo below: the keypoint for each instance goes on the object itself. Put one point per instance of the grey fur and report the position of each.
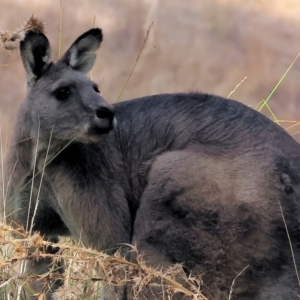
(190, 178)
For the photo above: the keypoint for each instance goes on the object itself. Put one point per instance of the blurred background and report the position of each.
(208, 46)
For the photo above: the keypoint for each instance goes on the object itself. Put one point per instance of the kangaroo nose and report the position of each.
(104, 113)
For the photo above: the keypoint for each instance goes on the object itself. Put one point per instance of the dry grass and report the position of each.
(84, 270)
(208, 46)
(9, 40)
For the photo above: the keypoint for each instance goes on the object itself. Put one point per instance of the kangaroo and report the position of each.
(188, 178)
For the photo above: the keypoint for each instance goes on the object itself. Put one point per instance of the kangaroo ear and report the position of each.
(81, 55)
(36, 55)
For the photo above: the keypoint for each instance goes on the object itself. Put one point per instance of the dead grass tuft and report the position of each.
(34, 24)
(9, 40)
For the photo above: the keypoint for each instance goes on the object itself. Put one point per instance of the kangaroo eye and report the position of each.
(96, 89)
(62, 93)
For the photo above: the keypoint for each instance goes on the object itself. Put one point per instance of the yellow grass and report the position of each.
(85, 268)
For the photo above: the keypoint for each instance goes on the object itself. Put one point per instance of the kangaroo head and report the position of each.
(61, 100)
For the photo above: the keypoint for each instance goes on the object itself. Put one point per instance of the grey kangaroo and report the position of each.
(189, 178)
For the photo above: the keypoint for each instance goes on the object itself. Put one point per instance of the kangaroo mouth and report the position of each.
(99, 130)
(95, 132)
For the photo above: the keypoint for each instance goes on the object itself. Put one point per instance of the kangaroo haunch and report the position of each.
(189, 178)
